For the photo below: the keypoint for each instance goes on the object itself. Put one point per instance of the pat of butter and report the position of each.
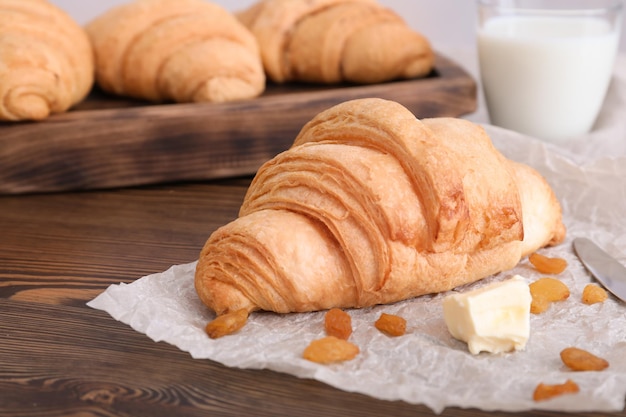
(495, 318)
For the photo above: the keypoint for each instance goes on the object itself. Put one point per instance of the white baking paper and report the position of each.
(427, 366)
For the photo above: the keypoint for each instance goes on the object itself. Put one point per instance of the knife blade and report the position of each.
(605, 268)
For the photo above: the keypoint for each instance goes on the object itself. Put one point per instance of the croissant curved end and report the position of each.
(27, 107)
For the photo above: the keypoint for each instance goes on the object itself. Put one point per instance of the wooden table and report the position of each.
(59, 357)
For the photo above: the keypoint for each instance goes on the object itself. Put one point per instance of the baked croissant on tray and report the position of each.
(333, 41)
(176, 50)
(46, 60)
(371, 206)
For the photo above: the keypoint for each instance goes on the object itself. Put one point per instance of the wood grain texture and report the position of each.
(64, 248)
(60, 358)
(111, 142)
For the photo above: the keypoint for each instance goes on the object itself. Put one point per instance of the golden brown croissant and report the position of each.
(373, 206)
(176, 50)
(329, 41)
(46, 60)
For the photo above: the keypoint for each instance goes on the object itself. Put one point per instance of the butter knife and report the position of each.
(606, 269)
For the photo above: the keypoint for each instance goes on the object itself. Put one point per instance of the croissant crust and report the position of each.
(371, 206)
(176, 50)
(46, 60)
(332, 41)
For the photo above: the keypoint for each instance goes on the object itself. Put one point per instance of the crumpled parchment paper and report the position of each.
(427, 365)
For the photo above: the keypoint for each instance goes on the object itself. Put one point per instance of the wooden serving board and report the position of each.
(108, 142)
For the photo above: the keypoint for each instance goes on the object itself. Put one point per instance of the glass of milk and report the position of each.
(545, 65)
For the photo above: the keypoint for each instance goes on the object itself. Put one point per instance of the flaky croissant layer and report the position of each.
(372, 206)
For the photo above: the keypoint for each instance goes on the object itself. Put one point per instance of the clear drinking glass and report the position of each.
(545, 65)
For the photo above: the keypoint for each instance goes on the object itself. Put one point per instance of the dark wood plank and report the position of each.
(65, 248)
(65, 361)
(112, 142)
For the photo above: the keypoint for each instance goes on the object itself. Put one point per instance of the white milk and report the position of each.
(546, 76)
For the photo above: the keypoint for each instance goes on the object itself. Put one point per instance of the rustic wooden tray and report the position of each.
(110, 142)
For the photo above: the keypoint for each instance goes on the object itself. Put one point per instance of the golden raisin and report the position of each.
(391, 324)
(330, 349)
(594, 294)
(580, 360)
(227, 323)
(551, 289)
(544, 291)
(338, 323)
(538, 305)
(545, 392)
(547, 265)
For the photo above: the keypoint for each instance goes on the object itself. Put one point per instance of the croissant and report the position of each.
(372, 206)
(330, 41)
(46, 60)
(176, 50)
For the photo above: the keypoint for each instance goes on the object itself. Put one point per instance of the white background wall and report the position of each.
(447, 23)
